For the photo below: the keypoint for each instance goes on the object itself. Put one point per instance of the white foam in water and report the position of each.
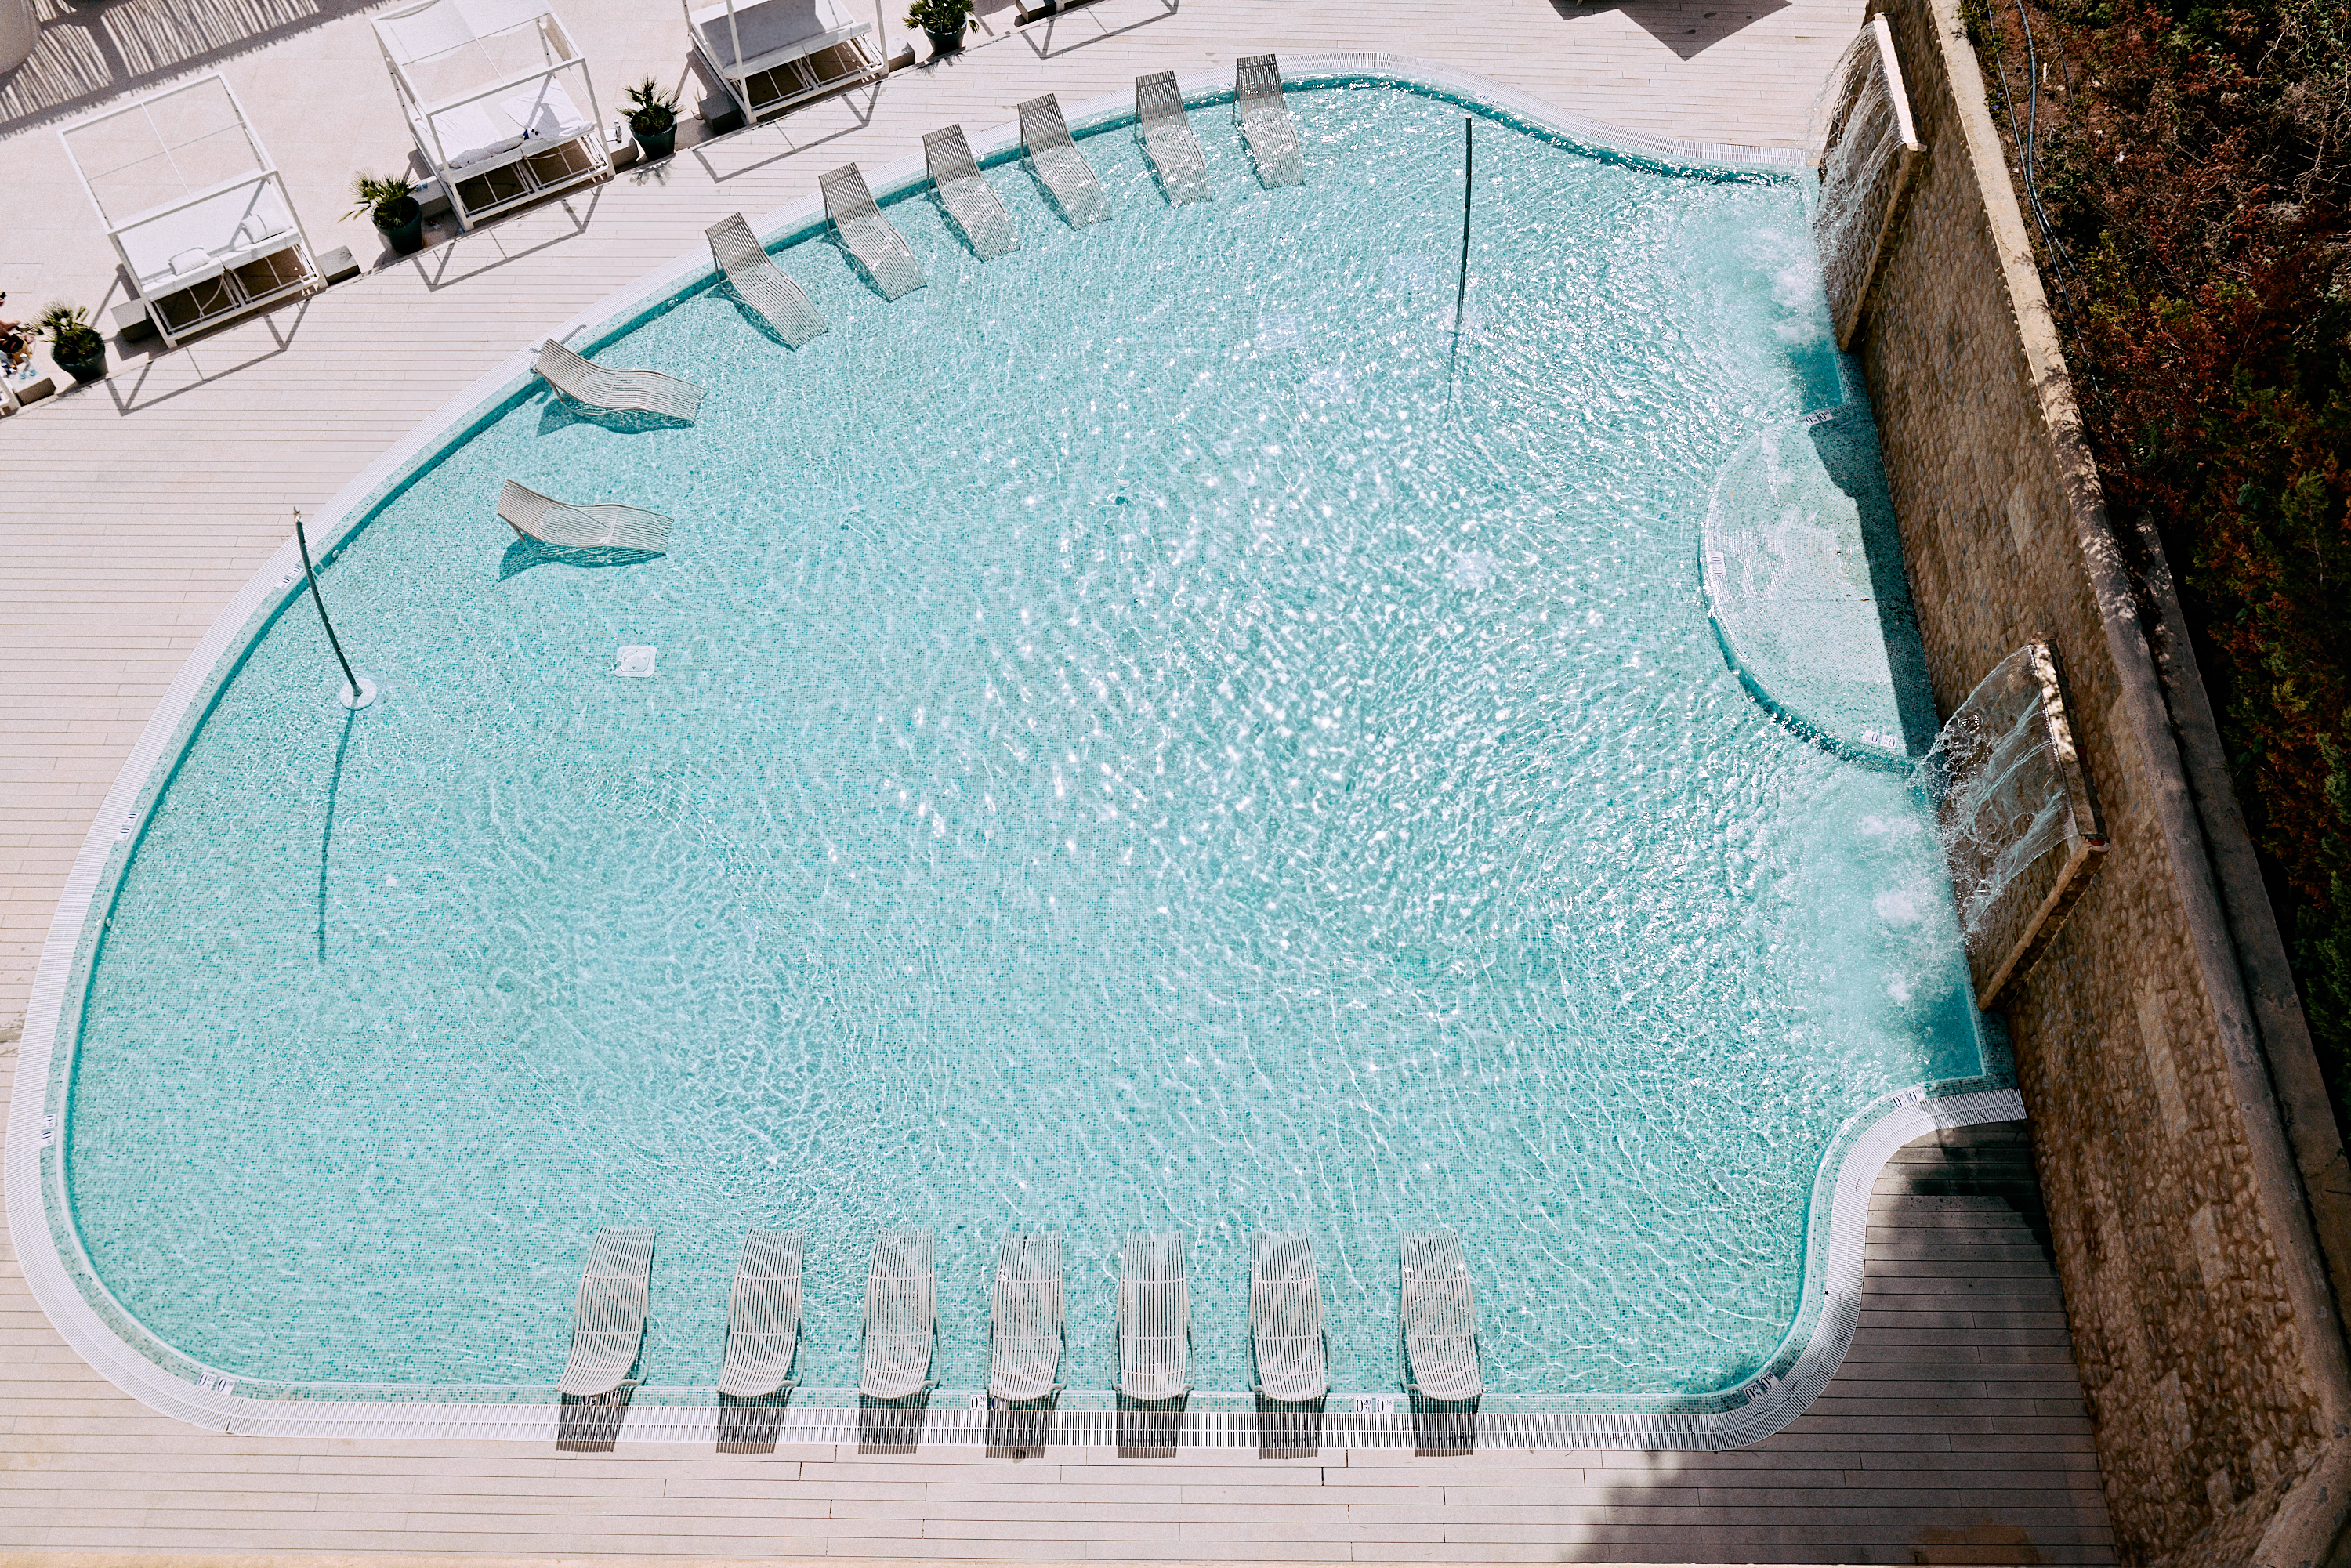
(634, 660)
(1280, 331)
(1410, 274)
(1329, 384)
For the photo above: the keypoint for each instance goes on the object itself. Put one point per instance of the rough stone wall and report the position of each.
(2198, 1373)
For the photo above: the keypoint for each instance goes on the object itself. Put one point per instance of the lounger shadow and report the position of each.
(591, 1424)
(558, 413)
(751, 1426)
(1288, 1430)
(1019, 1428)
(1150, 1428)
(891, 1425)
(524, 554)
(1442, 1426)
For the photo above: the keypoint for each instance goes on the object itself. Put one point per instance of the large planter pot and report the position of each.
(83, 372)
(653, 144)
(944, 43)
(402, 225)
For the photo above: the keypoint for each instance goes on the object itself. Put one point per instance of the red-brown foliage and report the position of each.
(2189, 176)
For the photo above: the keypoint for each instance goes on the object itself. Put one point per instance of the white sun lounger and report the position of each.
(609, 1322)
(1440, 1318)
(970, 200)
(649, 391)
(1024, 1318)
(1272, 135)
(763, 1316)
(1286, 1318)
(1155, 1317)
(878, 247)
(1168, 137)
(756, 281)
(607, 525)
(902, 1316)
(1055, 157)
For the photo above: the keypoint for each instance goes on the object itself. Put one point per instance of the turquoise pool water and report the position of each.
(1126, 748)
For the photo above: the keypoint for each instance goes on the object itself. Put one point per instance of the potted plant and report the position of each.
(944, 20)
(652, 119)
(393, 205)
(74, 343)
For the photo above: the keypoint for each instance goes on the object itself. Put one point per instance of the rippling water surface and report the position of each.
(1122, 753)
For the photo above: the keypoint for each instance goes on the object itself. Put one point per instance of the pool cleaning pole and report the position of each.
(1461, 287)
(358, 690)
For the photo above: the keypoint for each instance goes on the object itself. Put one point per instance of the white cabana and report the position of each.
(498, 99)
(775, 54)
(195, 206)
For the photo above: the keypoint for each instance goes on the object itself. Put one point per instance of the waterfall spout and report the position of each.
(1863, 145)
(2013, 813)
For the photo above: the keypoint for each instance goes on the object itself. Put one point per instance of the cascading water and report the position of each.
(1864, 144)
(2009, 792)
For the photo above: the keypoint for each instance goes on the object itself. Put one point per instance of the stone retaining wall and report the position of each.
(2177, 1135)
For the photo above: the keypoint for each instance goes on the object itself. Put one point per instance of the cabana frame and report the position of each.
(776, 55)
(225, 245)
(530, 133)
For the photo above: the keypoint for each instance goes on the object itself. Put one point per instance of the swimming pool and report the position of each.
(1137, 737)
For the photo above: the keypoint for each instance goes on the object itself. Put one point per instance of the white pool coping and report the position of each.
(1765, 1407)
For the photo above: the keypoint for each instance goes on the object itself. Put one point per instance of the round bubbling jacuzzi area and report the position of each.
(1165, 729)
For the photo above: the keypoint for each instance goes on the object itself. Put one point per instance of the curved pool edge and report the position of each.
(40, 1216)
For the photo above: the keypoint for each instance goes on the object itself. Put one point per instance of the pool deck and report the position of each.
(131, 512)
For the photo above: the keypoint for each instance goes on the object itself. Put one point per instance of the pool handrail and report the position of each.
(763, 1316)
(761, 284)
(608, 1322)
(1167, 138)
(583, 382)
(965, 192)
(1024, 1318)
(1438, 1323)
(1155, 1317)
(876, 244)
(902, 1316)
(1286, 1335)
(1265, 124)
(1045, 136)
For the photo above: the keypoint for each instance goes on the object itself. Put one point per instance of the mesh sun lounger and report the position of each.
(1441, 1321)
(902, 1316)
(609, 1323)
(970, 200)
(752, 274)
(649, 391)
(1286, 1318)
(607, 525)
(878, 247)
(1155, 1317)
(1168, 137)
(763, 1316)
(1024, 1318)
(1265, 121)
(1059, 164)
